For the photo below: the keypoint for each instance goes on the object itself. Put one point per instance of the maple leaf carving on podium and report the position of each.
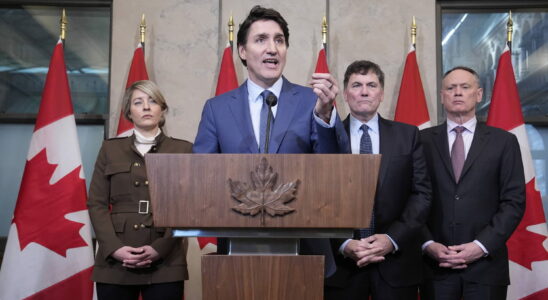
(262, 195)
(41, 207)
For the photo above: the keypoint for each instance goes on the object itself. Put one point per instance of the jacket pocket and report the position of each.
(120, 178)
(115, 168)
(118, 222)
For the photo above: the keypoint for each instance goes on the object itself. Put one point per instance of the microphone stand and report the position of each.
(271, 101)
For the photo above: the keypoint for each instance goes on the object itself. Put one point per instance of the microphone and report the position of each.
(271, 101)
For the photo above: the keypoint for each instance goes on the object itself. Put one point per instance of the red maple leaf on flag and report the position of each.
(521, 236)
(524, 246)
(41, 207)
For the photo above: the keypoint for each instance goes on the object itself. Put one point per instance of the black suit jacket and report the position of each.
(402, 203)
(486, 205)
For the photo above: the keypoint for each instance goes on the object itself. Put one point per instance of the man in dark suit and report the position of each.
(304, 119)
(382, 261)
(478, 197)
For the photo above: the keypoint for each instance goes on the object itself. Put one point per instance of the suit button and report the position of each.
(136, 183)
(154, 149)
(136, 164)
(146, 182)
(136, 227)
(142, 225)
(457, 197)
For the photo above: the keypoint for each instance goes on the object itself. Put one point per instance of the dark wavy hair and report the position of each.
(363, 67)
(258, 13)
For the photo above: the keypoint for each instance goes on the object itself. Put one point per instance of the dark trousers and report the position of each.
(156, 291)
(453, 287)
(369, 282)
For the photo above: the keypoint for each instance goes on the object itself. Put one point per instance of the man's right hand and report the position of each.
(363, 253)
(444, 256)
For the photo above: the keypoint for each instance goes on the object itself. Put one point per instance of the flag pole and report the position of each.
(414, 33)
(509, 30)
(324, 33)
(63, 22)
(142, 31)
(231, 31)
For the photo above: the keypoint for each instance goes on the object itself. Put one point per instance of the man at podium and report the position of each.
(302, 119)
(384, 260)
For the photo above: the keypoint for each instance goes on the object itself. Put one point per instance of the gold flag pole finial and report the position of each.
(509, 27)
(143, 28)
(231, 29)
(63, 23)
(414, 32)
(324, 30)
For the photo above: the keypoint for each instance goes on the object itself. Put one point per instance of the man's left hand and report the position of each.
(326, 87)
(469, 252)
(380, 242)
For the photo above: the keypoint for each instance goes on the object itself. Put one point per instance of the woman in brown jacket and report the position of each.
(133, 256)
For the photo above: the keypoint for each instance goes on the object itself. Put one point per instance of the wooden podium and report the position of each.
(264, 203)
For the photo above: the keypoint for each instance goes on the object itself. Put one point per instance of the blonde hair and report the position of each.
(151, 89)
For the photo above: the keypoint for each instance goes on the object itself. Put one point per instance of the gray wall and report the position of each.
(185, 40)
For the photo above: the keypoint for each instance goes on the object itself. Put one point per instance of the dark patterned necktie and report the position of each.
(457, 152)
(263, 121)
(366, 147)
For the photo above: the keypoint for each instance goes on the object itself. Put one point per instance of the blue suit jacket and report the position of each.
(226, 128)
(226, 125)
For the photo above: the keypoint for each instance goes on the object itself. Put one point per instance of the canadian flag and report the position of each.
(321, 63)
(528, 244)
(49, 253)
(411, 107)
(227, 79)
(137, 71)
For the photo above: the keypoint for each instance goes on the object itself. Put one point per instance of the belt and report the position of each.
(142, 207)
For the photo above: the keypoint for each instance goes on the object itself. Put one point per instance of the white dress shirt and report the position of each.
(256, 103)
(467, 134)
(355, 138)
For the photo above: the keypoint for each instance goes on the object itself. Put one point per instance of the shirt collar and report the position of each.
(470, 125)
(373, 124)
(254, 90)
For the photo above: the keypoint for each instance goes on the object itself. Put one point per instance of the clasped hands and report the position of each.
(369, 250)
(454, 257)
(134, 258)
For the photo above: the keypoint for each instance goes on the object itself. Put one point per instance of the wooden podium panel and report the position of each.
(262, 277)
(193, 190)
